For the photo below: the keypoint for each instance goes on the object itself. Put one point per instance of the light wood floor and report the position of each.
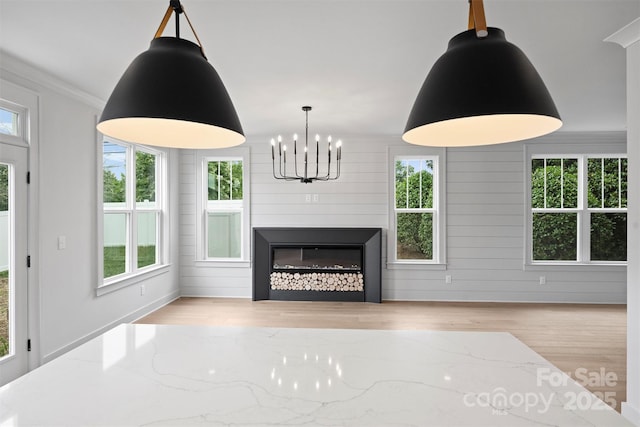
(570, 336)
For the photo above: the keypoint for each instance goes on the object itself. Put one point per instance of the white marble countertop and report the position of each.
(152, 375)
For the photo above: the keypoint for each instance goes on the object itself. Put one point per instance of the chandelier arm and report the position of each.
(306, 140)
(295, 158)
(280, 165)
(317, 157)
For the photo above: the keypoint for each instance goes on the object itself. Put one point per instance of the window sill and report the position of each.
(124, 282)
(564, 266)
(224, 264)
(407, 265)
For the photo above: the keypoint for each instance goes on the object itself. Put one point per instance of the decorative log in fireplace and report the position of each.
(317, 264)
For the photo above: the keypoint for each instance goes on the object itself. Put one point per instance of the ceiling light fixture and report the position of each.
(281, 172)
(482, 90)
(170, 96)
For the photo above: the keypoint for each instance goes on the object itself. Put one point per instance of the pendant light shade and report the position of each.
(483, 90)
(171, 96)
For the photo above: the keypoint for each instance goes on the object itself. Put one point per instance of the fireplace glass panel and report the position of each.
(314, 258)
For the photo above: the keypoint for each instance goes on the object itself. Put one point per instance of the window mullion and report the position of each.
(420, 177)
(544, 205)
(230, 163)
(133, 220)
(619, 183)
(562, 182)
(406, 184)
(584, 227)
(602, 182)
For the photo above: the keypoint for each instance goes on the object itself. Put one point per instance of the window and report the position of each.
(224, 208)
(9, 122)
(579, 208)
(132, 185)
(415, 235)
(13, 120)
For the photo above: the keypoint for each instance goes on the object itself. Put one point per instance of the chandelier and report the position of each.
(280, 171)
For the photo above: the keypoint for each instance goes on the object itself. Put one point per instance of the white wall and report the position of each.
(629, 38)
(70, 312)
(485, 224)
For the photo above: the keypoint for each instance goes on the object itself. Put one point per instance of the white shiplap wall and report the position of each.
(485, 202)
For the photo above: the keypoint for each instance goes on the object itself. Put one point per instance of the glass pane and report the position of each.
(147, 238)
(212, 180)
(414, 233)
(224, 238)
(607, 183)
(555, 236)
(5, 250)
(553, 174)
(236, 180)
(611, 181)
(145, 179)
(115, 244)
(608, 236)
(623, 183)
(114, 167)
(570, 183)
(537, 183)
(8, 122)
(401, 184)
(414, 184)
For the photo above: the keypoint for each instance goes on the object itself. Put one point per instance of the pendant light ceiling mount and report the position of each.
(171, 96)
(483, 90)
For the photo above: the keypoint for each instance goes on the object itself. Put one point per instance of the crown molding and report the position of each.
(26, 74)
(627, 35)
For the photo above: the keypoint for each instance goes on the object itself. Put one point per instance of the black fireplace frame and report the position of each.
(267, 238)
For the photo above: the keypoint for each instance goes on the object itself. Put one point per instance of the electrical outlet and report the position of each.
(62, 242)
(307, 198)
(543, 280)
(315, 198)
(142, 289)
(447, 279)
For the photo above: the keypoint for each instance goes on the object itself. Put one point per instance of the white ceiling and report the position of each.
(359, 63)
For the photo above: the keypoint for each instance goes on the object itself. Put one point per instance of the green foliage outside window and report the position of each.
(224, 180)
(555, 186)
(115, 166)
(414, 190)
(4, 188)
(145, 177)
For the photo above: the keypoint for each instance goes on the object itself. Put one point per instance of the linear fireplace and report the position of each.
(323, 264)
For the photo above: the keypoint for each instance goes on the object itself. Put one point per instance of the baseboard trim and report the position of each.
(131, 317)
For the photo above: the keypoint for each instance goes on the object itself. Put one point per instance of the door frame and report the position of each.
(29, 100)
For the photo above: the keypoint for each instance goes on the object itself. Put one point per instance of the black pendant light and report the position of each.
(170, 96)
(483, 90)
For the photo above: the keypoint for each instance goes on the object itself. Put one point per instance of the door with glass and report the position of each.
(13, 262)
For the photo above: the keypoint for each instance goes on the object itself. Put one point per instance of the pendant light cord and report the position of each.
(477, 19)
(176, 6)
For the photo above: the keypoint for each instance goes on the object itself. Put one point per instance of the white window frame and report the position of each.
(134, 274)
(438, 156)
(22, 137)
(203, 207)
(607, 148)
